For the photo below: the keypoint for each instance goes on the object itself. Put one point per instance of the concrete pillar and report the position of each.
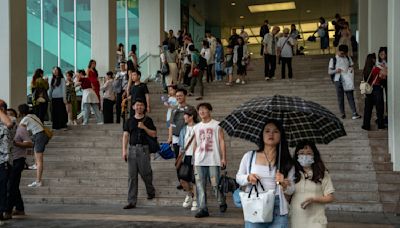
(362, 32)
(104, 34)
(151, 25)
(377, 24)
(13, 55)
(394, 81)
(172, 15)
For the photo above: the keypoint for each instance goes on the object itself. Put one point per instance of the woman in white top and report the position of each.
(171, 58)
(108, 98)
(33, 124)
(206, 53)
(186, 146)
(264, 169)
(314, 189)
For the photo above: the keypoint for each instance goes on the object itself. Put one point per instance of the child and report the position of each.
(229, 64)
(71, 105)
(341, 67)
(171, 102)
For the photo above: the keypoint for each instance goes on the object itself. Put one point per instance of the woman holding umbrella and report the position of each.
(269, 168)
(314, 188)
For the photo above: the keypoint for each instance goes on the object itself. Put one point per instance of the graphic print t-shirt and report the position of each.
(207, 151)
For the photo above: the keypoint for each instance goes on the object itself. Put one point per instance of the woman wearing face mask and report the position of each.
(314, 188)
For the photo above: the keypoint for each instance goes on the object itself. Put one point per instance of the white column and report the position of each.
(172, 15)
(394, 81)
(362, 32)
(104, 30)
(377, 25)
(13, 46)
(150, 33)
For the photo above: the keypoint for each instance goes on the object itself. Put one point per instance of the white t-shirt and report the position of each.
(207, 151)
(188, 136)
(32, 123)
(286, 51)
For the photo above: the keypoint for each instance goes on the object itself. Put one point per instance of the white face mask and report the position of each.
(305, 160)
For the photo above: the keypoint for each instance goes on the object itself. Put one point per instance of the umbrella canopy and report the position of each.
(302, 120)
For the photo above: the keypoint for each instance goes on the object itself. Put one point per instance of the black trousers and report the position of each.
(186, 78)
(209, 73)
(4, 176)
(288, 62)
(108, 110)
(40, 110)
(14, 194)
(269, 65)
(59, 113)
(118, 106)
(371, 100)
(175, 147)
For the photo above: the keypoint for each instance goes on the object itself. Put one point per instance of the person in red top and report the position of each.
(374, 75)
(94, 77)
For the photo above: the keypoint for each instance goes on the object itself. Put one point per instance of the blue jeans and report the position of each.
(202, 175)
(218, 70)
(279, 221)
(96, 110)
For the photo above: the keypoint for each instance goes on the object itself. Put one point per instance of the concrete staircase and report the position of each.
(84, 165)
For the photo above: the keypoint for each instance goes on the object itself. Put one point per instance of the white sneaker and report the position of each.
(237, 81)
(33, 167)
(101, 123)
(194, 206)
(187, 202)
(35, 184)
(243, 82)
(267, 78)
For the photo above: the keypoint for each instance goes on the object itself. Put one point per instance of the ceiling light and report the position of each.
(272, 7)
(233, 3)
(241, 17)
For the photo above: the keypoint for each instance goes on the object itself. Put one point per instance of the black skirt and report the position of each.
(59, 113)
(108, 110)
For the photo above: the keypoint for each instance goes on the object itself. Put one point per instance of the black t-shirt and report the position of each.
(139, 91)
(136, 135)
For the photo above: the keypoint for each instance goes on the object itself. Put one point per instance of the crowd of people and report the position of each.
(301, 183)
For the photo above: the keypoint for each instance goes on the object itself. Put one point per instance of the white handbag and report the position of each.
(258, 207)
(365, 87)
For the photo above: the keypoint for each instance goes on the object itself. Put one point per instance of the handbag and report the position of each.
(365, 87)
(154, 145)
(347, 80)
(196, 72)
(258, 207)
(185, 172)
(166, 151)
(236, 193)
(227, 184)
(181, 156)
(47, 131)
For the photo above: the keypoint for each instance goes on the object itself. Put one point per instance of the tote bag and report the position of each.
(347, 80)
(258, 207)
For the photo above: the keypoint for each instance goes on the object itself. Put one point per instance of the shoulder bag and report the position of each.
(365, 87)
(236, 196)
(181, 156)
(154, 145)
(47, 131)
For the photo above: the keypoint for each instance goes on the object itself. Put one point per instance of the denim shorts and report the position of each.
(279, 221)
(40, 141)
(229, 70)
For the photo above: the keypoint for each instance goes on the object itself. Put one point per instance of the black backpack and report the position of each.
(334, 67)
(202, 63)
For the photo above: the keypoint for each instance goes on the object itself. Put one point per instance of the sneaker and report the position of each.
(32, 167)
(202, 214)
(194, 206)
(35, 184)
(150, 197)
(187, 202)
(267, 78)
(222, 208)
(243, 82)
(237, 81)
(129, 206)
(355, 116)
(101, 123)
(343, 116)
(365, 128)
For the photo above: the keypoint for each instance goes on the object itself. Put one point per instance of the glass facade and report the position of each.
(128, 23)
(59, 33)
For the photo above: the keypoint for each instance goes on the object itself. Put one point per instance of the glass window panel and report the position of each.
(121, 31)
(83, 33)
(255, 31)
(50, 36)
(309, 27)
(67, 34)
(34, 39)
(133, 24)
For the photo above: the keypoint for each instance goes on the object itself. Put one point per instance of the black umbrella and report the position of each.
(302, 120)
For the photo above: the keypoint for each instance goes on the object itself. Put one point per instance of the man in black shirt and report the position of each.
(138, 90)
(138, 158)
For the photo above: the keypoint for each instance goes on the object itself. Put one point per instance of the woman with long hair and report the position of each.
(120, 54)
(240, 57)
(72, 103)
(265, 169)
(314, 188)
(345, 38)
(171, 58)
(40, 97)
(323, 33)
(58, 100)
(374, 75)
(93, 76)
